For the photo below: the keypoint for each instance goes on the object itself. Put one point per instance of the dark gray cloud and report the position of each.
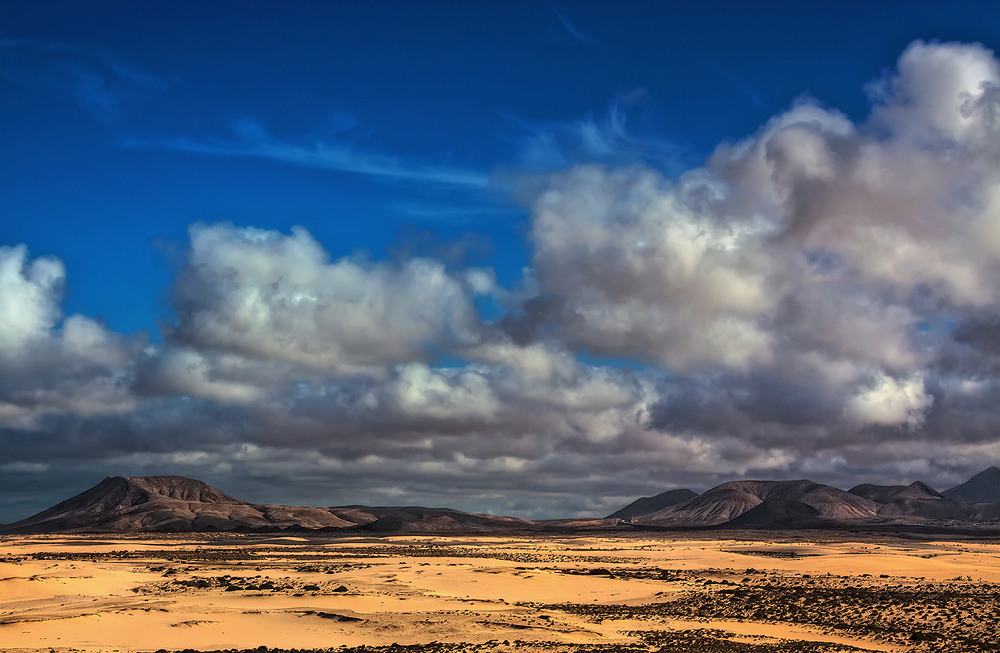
(819, 300)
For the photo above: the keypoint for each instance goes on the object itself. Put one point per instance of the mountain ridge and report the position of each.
(179, 504)
(127, 504)
(728, 501)
(981, 488)
(643, 505)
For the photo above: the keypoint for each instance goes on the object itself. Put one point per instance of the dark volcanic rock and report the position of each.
(915, 503)
(438, 520)
(652, 504)
(981, 488)
(885, 493)
(778, 513)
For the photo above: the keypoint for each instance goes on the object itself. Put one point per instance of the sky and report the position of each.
(522, 258)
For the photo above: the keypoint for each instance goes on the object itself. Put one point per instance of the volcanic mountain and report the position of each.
(174, 503)
(804, 504)
(778, 513)
(652, 504)
(914, 502)
(731, 500)
(984, 486)
(887, 493)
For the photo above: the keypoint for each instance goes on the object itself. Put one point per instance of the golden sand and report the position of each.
(629, 593)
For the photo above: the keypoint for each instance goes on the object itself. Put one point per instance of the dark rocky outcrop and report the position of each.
(778, 513)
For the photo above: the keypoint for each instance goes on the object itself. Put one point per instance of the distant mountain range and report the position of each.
(177, 504)
(802, 504)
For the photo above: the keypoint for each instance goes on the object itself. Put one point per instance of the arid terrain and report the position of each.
(727, 592)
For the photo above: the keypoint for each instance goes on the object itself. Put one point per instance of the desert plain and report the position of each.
(745, 592)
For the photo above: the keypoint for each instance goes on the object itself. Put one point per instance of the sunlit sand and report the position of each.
(636, 593)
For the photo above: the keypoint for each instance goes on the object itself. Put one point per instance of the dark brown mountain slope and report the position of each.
(983, 487)
(165, 503)
(652, 504)
(174, 503)
(778, 513)
(730, 500)
(915, 502)
(885, 493)
(436, 520)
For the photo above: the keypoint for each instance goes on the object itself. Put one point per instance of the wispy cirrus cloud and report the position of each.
(607, 140)
(251, 139)
(573, 31)
(100, 83)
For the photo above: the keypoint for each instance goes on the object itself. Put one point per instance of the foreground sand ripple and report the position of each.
(817, 592)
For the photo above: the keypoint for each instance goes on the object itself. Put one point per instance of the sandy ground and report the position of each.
(694, 592)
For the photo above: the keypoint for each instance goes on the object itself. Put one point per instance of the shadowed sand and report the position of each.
(682, 592)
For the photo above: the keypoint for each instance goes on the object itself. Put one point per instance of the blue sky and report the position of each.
(445, 86)
(401, 135)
